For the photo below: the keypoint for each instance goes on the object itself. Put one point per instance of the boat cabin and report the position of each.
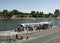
(33, 26)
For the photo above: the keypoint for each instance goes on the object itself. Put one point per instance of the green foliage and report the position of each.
(33, 12)
(5, 13)
(9, 14)
(56, 13)
(0, 13)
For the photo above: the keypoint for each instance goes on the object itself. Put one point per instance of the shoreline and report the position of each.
(19, 18)
(27, 18)
(12, 32)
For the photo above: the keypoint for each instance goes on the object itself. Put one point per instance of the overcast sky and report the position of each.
(30, 5)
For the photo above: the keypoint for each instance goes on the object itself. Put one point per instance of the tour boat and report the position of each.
(32, 26)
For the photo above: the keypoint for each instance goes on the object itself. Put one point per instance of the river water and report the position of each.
(9, 24)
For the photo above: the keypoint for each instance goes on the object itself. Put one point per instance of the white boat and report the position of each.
(33, 26)
(36, 23)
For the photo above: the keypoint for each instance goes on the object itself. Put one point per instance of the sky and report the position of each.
(30, 5)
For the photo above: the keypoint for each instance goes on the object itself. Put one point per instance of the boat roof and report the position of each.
(35, 23)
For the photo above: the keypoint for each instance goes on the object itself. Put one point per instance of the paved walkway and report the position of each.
(37, 34)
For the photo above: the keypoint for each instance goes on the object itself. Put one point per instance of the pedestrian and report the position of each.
(16, 36)
(27, 37)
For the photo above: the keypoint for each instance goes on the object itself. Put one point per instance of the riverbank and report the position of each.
(19, 18)
(26, 18)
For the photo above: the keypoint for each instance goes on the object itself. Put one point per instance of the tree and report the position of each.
(41, 14)
(37, 12)
(50, 14)
(33, 14)
(56, 13)
(15, 12)
(0, 13)
(5, 13)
